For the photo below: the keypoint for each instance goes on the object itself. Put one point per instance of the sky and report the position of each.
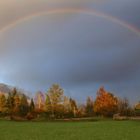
(78, 49)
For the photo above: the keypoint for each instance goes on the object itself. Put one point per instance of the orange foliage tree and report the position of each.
(106, 104)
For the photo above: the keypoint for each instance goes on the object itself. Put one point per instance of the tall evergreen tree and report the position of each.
(23, 107)
(74, 107)
(32, 105)
(48, 104)
(89, 107)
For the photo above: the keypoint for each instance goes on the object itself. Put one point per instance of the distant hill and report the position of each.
(4, 88)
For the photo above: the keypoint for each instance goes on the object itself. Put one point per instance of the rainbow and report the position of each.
(73, 10)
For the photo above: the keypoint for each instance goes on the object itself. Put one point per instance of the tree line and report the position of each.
(55, 105)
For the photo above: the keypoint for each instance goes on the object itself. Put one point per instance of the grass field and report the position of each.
(99, 130)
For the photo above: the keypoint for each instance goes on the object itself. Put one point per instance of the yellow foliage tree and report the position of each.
(2, 102)
(56, 99)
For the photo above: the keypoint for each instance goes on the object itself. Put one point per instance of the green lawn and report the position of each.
(100, 130)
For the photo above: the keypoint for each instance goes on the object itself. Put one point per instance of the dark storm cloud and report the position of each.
(70, 61)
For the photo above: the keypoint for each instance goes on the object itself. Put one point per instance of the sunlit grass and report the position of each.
(99, 130)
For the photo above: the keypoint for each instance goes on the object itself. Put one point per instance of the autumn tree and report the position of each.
(81, 112)
(137, 109)
(16, 104)
(124, 107)
(40, 101)
(67, 107)
(2, 103)
(23, 107)
(12, 98)
(89, 107)
(11, 101)
(56, 94)
(74, 107)
(31, 112)
(106, 103)
(48, 105)
(8, 104)
(56, 98)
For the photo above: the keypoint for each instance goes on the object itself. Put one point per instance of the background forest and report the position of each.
(55, 105)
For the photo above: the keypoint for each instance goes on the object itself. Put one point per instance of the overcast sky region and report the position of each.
(77, 50)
